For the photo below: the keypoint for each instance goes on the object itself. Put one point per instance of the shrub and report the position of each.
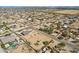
(61, 44)
(3, 46)
(45, 42)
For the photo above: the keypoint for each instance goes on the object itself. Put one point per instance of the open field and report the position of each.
(66, 11)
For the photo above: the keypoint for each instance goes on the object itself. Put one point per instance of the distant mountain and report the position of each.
(43, 7)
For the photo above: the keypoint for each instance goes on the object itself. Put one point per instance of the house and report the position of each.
(8, 38)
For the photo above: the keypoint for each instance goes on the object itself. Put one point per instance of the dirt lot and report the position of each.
(35, 36)
(66, 11)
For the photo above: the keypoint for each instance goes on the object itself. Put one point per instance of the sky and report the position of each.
(39, 3)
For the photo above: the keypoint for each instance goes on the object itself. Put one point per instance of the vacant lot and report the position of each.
(66, 11)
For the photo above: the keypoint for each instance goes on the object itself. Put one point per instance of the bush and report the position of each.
(45, 42)
(3, 46)
(61, 44)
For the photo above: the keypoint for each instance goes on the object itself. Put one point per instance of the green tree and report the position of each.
(47, 30)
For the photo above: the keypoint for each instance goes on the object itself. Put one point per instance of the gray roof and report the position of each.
(9, 38)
